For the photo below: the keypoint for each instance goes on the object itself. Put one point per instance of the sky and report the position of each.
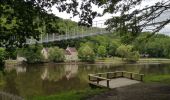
(64, 15)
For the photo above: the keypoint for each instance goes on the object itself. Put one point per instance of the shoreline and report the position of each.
(115, 60)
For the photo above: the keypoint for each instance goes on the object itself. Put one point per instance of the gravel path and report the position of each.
(136, 92)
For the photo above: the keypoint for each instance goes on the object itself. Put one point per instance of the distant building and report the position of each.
(144, 55)
(44, 52)
(21, 59)
(71, 54)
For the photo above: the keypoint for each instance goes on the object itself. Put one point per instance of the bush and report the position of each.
(126, 51)
(56, 54)
(112, 48)
(32, 54)
(123, 50)
(133, 56)
(2, 56)
(86, 54)
(101, 51)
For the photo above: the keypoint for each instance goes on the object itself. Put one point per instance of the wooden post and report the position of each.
(99, 76)
(115, 75)
(141, 77)
(122, 74)
(107, 83)
(97, 80)
(130, 75)
(107, 75)
(89, 78)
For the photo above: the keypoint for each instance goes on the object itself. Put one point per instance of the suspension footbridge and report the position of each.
(77, 32)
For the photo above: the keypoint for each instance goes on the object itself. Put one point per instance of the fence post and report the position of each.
(97, 80)
(107, 83)
(89, 78)
(115, 75)
(130, 75)
(122, 74)
(141, 77)
(107, 75)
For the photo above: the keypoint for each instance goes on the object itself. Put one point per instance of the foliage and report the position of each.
(129, 18)
(126, 51)
(18, 20)
(32, 54)
(56, 54)
(157, 46)
(86, 54)
(133, 56)
(112, 48)
(101, 51)
(123, 50)
(2, 56)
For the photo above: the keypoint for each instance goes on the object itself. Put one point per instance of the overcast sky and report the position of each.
(64, 15)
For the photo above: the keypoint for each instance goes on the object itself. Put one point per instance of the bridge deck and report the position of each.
(117, 82)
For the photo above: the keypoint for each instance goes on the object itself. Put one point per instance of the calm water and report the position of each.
(54, 78)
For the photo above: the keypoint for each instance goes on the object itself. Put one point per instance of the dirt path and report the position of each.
(136, 92)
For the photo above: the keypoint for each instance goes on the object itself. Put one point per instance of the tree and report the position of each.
(133, 56)
(124, 50)
(56, 54)
(21, 19)
(101, 51)
(2, 56)
(129, 18)
(32, 54)
(112, 48)
(86, 54)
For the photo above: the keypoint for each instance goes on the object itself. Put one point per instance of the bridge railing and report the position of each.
(56, 37)
(72, 33)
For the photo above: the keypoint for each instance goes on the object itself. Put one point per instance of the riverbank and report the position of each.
(141, 91)
(117, 60)
(70, 95)
(114, 60)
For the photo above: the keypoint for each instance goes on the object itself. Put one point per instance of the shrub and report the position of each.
(101, 51)
(126, 51)
(86, 54)
(2, 56)
(56, 54)
(112, 48)
(123, 50)
(133, 56)
(32, 54)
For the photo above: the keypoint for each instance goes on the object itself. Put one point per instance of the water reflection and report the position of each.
(54, 78)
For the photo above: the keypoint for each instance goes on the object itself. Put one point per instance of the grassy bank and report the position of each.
(157, 78)
(117, 60)
(69, 95)
(154, 60)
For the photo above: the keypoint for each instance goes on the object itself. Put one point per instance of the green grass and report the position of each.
(118, 60)
(69, 95)
(157, 78)
(159, 60)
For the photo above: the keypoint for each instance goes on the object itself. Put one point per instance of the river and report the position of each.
(47, 79)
